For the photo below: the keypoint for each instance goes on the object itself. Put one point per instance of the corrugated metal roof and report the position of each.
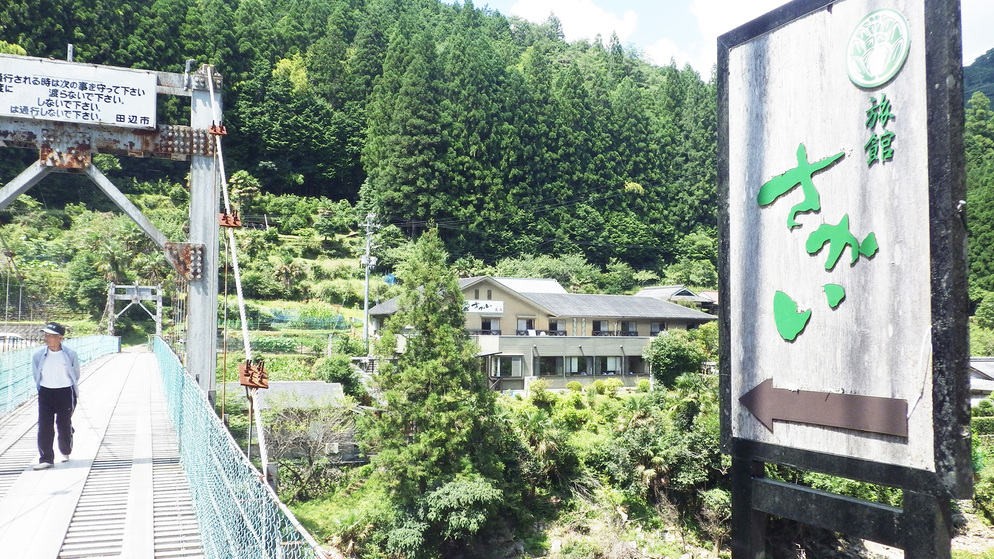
(558, 302)
(673, 293)
(613, 306)
(387, 307)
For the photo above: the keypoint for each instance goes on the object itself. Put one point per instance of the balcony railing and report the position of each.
(531, 332)
(473, 332)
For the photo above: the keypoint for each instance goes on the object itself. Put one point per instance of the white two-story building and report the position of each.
(533, 328)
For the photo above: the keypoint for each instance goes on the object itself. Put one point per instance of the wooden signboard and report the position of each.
(842, 239)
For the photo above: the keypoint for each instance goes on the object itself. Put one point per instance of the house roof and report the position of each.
(713, 295)
(674, 293)
(982, 367)
(613, 306)
(518, 285)
(551, 297)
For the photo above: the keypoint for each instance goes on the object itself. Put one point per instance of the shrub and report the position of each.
(540, 393)
(338, 368)
(259, 285)
(673, 353)
(644, 385)
(574, 386)
(984, 408)
(274, 344)
(985, 312)
(598, 386)
(611, 386)
(288, 368)
(983, 425)
(339, 291)
(981, 340)
(571, 411)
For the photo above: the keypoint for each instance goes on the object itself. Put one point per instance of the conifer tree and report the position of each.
(435, 442)
(404, 150)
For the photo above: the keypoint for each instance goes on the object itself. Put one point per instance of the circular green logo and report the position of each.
(878, 48)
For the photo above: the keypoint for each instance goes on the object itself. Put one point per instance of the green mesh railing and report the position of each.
(17, 384)
(239, 515)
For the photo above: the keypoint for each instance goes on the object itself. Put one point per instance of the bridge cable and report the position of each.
(219, 163)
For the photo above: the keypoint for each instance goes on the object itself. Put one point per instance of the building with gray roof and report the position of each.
(530, 329)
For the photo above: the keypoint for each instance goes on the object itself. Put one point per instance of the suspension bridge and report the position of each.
(153, 472)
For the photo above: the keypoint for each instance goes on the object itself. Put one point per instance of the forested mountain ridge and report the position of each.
(509, 139)
(979, 76)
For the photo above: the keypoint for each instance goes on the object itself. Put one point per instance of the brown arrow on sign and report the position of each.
(872, 414)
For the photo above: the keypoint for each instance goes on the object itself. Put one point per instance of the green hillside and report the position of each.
(979, 76)
(496, 130)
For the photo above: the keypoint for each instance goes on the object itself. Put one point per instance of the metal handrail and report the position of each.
(238, 513)
(17, 384)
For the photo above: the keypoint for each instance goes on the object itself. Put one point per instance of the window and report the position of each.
(600, 327)
(476, 294)
(629, 328)
(609, 365)
(508, 367)
(550, 366)
(656, 327)
(576, 365)
(490, 294)
(526, 324)
(490, 324)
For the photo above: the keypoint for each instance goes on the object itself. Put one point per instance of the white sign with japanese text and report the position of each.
(39, 89)
(828, 233)
(496, 307)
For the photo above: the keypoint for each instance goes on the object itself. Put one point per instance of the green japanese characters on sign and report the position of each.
(800, 175)
(875, 54)
(878, 148)
(790, 321)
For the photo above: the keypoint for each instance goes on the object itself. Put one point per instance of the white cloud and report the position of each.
(716, 17)
(978, 17)
(581, 19)
(664, 50)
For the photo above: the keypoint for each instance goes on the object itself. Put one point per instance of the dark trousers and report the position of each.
(55, 407)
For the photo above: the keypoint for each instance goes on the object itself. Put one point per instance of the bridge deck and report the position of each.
(122, 493)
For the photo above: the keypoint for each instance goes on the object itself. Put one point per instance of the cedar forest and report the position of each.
(483, 144)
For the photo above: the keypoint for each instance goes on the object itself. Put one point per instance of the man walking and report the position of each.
(56, 371)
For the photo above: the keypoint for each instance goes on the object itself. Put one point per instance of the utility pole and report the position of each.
(369, 262)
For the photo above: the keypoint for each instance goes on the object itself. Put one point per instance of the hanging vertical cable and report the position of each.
(253, 392)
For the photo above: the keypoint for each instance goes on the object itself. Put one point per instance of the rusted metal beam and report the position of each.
(187, 259)
(64, 143)
(126, 205)
(22, 182)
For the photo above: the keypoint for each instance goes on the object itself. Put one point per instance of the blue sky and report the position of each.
(687, 30)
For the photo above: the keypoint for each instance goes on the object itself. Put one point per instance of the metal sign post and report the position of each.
(843, 276)
(69, 111)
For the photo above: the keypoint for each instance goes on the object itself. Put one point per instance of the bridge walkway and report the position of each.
(122, 493)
